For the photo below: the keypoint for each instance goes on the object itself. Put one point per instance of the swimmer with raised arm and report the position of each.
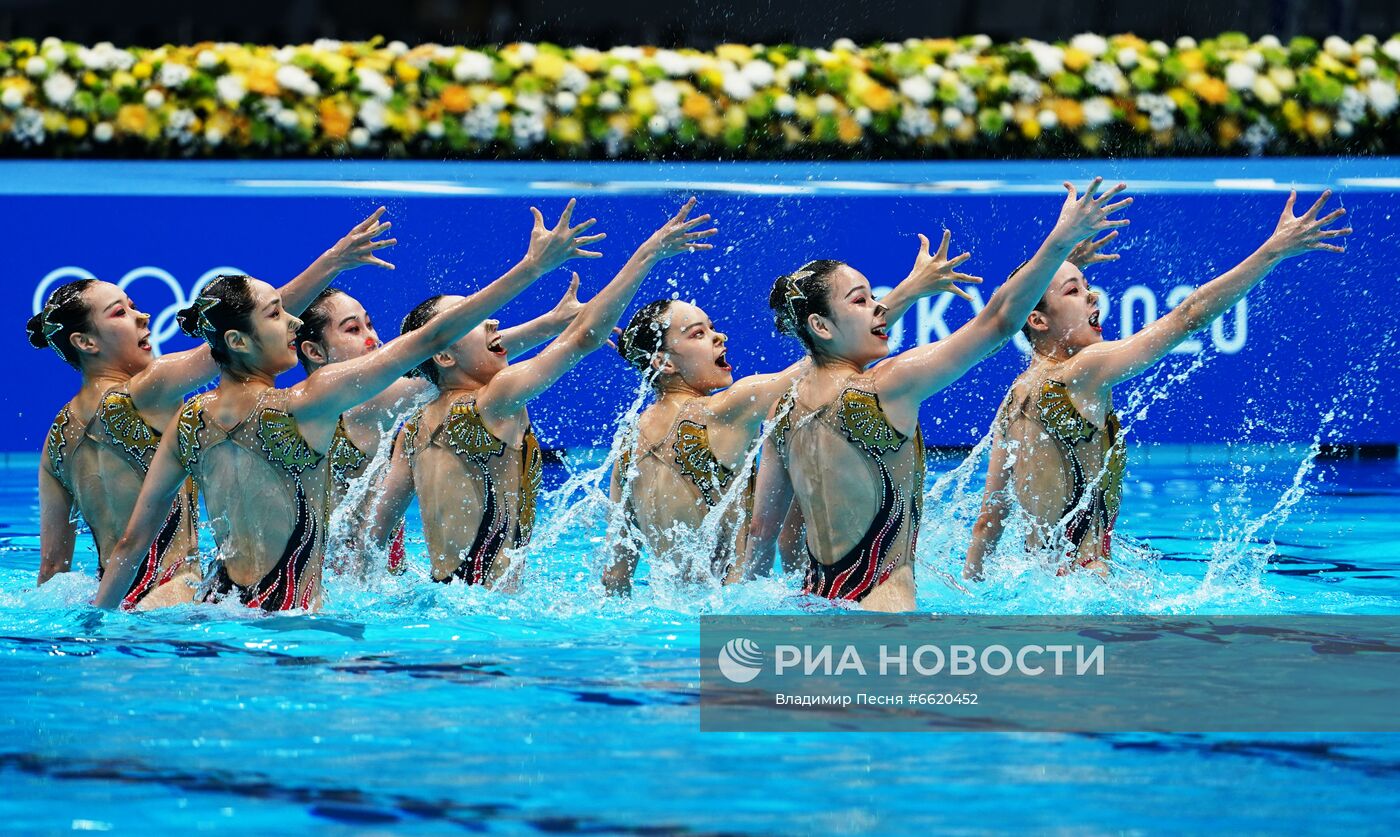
(255, 450)
(847, 445)
(690, 444)
(471, 454)
(1057, 452)
(337, 328)
(102, 442)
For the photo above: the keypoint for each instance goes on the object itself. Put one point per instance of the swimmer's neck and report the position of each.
(836, 366)
(103, 379)
(1055, 354)
(678, 390)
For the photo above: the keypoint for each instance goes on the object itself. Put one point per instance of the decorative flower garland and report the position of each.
(968, 97)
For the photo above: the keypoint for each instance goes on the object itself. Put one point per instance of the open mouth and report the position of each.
(723, 361)
(496, 347)
(1094, 322)
(881, 331)
(144, 344)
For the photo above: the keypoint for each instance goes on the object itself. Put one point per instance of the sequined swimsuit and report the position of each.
(1092, 455)
(118, 428)
(856, 418)
(347, 462)
(267, 435)
(508, 478)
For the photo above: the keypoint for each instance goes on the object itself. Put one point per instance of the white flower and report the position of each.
(1365, 45)
(628, 54)
(434, 129)
(1367, 67)
(206, 60)
(213, 136)
(179, 125)
(917, 89)
(952, 117)
(288, 119)
(826, 104)
(230, 88)
(620, 73)
(658, 124)
(531, 102)
(1106, 77)
(794, 70)
(1047, 119)
(758, 73)
(174, 75)
(1048, 59)
(327, 45)
(1283, 78)
(609, 101)
(1006, 110)
(1095, 45)
(1128, 57)
(960, 61)
(527, 129)
(284, 55)
(293, 78)
(1161, 120)
(12, 98)
(36, 66)
(1383, 96)
(1160, 48)
(1391, 49)
(480, 123)
(574, 80)
(1270, 42)
(153, 98)
(1186, 42)
(472, 66)
(1023, 87)
(271, 106)
(1240, 76)
(864, 116)
(1343, 128)
(1258, 136)
(528, 53)
(916, 122)
(374, 83)
(672, 63)
(667, 95)
(359, 137)
(104, 56)
(59, 88)
(1266, 91)
(1337, 47)
(1352, 107)
(785, 105)
(497, 100)
(1098, 112)
(565, 102)
(845, 43)
(736, 86)
(373, 115)
(102, 132)
(28, 128)
(1254, 58)
(981, 42)
(397, 48)
(55, 54)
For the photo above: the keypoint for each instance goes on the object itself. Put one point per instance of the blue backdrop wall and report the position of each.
(1315, 340)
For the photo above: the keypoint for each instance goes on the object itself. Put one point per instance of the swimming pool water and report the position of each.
(416, 707)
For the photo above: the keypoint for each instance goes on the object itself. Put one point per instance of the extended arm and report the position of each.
(772, 497)
(930, 275)
(1104, 365)
(57, 533)
(912, 376)
(617, 576)
(170, 377)
(162, 483)
(333, 389)
(986, 532)
(750, 399)
(513, 388)
(522, 338)
(395, 492)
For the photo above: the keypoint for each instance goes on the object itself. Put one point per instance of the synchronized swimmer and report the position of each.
(832, 481)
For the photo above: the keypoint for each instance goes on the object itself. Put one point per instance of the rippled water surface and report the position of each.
(407, 705)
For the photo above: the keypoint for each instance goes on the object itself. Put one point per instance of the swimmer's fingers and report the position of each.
(1073, 194)
(539, 219)
(368, 222)
(1115, 207)
(691, 236)
(942, 253)
(693, 248)
(617, 332)
(382, 243)
(923, 247)
(684, 211)
(966, 279)
(1106, 196)
(1107, 224)
(960, 292)
(1093, 187)
(695, 222)
(589, 239)
(1331, 248)
(566, 219)
(1317, 207)
(1288, 204)
(953, 262)
(1332, 233)
(582, 227)
(1330, 217)
(375, 260)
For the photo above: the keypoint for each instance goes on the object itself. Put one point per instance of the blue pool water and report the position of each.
(410, 706)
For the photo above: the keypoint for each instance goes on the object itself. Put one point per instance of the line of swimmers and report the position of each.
(839, 483)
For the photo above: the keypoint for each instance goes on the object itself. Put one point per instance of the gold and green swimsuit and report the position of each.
(504, 472)
(265, 449)
(78, 455)
(1093, 456)
(896, 464)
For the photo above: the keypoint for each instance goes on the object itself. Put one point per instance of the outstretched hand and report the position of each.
(359, 245)
(1084, 217)
(552, 246)
(568, 305)
(1296, 235)
(1087, 252)
(678, 235)
(934, 274)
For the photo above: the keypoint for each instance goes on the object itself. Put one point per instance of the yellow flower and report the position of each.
(336, 64)
(1070, 113)
(335, 119)
(712, 125)
(1076, 59)
(132, 119)
(142, 70)
(1030, 129)
(1193, 60)
(849, 131)
(697, 106)
(456, 99)
(549, 65)
(641, 102)
(1228, 132)
(1211, 90)
(568, 130)
(589, 62)
(871, 93)
(735, 117)
(406, 71)
(1319, 124)
(738, 53)
(90, 79)
(77, 127)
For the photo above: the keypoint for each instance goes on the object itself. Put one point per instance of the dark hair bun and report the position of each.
(188, 318)
(35, 329)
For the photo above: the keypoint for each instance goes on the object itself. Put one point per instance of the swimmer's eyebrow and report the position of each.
(349, 318)
(273, 303)
(113, 305)
(861, 288)
(695, 324)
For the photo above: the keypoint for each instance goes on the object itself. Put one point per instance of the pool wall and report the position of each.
(1309, 350)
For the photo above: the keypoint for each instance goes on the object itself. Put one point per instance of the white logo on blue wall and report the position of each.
(163, 324)
(740, 660)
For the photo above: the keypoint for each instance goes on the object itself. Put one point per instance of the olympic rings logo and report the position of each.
(163, 324)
